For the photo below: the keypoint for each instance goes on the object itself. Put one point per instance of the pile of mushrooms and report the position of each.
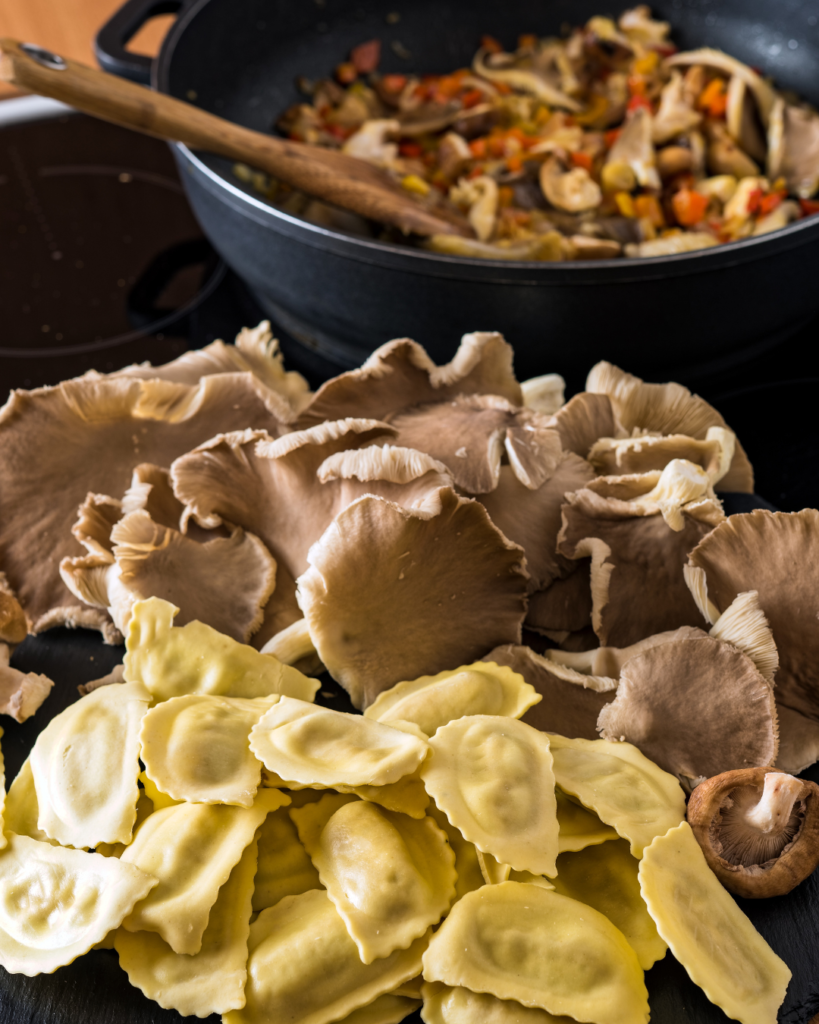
(408, 518)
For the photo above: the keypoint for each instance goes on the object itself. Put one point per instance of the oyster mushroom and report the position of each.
(666, 409)
(545, 393)
(793, 148)
(719, 61)
(429, 117)
(548, 248)
(758, 829)
(741, 119)
(481, 196)
(525, 80)
(574, 191)
(21, 693)
(564, 607)
(400, 375)
(453, 154)
(582, 420)
(639, 26)
(633, 151)
(724, 156)
(675, 116)
(647, 452)
(13, 628)
(371, 143)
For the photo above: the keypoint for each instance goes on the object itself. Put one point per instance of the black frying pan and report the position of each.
(344, 296)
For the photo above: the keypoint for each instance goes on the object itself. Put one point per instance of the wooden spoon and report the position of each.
(324, 173)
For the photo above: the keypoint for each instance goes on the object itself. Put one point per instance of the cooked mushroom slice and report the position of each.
(671, 245)
(675, 116)
(783, 215)
(758, 829)
(544, 394)
(707, 932)
(571, 700)
(666, 409)
(546, 248)
(88, 435)
(638, 545)
(470, 433)
(481, 196)
(724, 155)
(638, 25)
(525, 80)
(453, 154)
(741, 119)
(21, 693)
(793, 148)
(370, 142)
(573, 190)
(633, 151)
(674, 160)
(763, 93)
(648, 452)
(696, 707)
(776, 554)
(418, 564)
(400, 375)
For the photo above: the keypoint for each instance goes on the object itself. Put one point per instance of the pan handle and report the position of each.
(122, 26)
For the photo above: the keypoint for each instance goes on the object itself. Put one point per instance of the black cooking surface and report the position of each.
(104, 265)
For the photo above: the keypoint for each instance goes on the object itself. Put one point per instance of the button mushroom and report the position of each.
(758, 829)
(573, 191)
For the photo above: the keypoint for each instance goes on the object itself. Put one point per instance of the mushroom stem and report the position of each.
(775, 806)
(291, 644)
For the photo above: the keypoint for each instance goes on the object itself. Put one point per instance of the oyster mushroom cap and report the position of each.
(634, 148)
(544, 394)
(564, 607)
(724, 156)
(740, 119)
(639, 26)
(758, 829)
(400, 375)
(481, 196)
(13, 627)
(675, 115)
(696, 707)
(574, 190)
(582, 420)
(370, 142)
(21, 693)
(435, 590)
(666, 409)
(526, 80)
(719, 61)
(647, 452)
(793, 148)
(775, 554)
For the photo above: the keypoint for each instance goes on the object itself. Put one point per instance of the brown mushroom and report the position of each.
(13, 628)
(793, 148)
(453, 154)
(674, 160)
(719, 61)
(572, 190)
(564, 607)
(758, 829)
(500, 68)
(545, 393)
(798, 741)
(666, 409)
(21, 693)
(675, 115)
(648, 452)
(633, 152)
(741, 119)
(725, 156)
(582, 420)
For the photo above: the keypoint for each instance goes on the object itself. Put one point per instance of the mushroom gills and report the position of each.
(752, 830)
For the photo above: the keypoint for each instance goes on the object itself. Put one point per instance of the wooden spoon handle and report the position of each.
(326, 174)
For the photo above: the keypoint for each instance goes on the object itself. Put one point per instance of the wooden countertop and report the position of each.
(68, 27)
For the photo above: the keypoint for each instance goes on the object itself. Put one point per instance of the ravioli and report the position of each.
(56, 903)
(467, 866)
(579, 827)
(390, 1008)
(482, 688)
(389, 876)
(3, 840)
(522, 942)
(492, 870)
(22, 812)
(85, 765)
(408, 795)
(304, 968)
(155, 795)
(493, 779)
(174, 660)
(707, 932)
(444, 1004)
(195, 748)
(212, 980)
(191, 849)
(285, 869)
(315, 746)
(605, 877)
(625, 789)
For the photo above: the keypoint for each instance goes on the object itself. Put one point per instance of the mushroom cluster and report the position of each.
(606, 143)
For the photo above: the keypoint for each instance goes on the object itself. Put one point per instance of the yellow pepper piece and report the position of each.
(412, 183)
(647, 64)
(625, 204)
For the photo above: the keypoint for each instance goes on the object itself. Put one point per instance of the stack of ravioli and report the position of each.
(250, 853)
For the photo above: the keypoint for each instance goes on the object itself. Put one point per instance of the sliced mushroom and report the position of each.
(674, 160)
(758, 829)
(574, 190)
(525, 80)
(783, 215)
(638, 25)
(371, 141)
(666, 409)
(675, 115)
(400, 375)
(481, 196)
(429, 117)
(793, 148)
(763, 93)
(634, 149)
(741, 119)
(582, 247)
(453, 154)
(546, 248)
(721, 187)
(725, 156)
(671, 245)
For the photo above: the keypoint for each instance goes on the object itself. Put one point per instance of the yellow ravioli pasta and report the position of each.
(22, 812)
(85, 765)
(312, 745)
(483, 688)
(522, 942)
(284, 869)
(493, 779)
(55, 903)
(212, 980)
(467, 866)
(579, 827)
(191, 849)
(305, 969)
(389, 876)
(195, 748)
(492, 870)
(444, 1004)
(707, 932)
(625, 789)
(605, 877)
(175, 660)
(390, 1008)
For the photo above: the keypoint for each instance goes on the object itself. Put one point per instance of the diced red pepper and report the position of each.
(491, 45)
(755, 200)
(346, 73)
(365, 56)
(472, 98)
(496, 144)
(394, 83)
(770, 202)
(476, 171)
(689, 207)
(410, 149)
(338, 131)
(810, 207)
(636, 85)
(514, 162)
(611, 136)
(583, 160)
(639, 103)
(477, 147)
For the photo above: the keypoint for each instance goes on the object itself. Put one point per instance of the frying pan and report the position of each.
(671, 316)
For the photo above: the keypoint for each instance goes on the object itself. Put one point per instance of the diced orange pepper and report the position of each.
(394, 83)
(636, 85)
(809, 207)
(689, 207)
(472, 98)
(582, 160)
(346, 73)
(365, 56)
(598, 105)
(491, 45)
(514, 162)
(506, 195)
(714, 98)
(640, 103)
(648, 206)
(769, 203)
(503, 88)
(496, 144)
(611, 136)
(527, 41)
(477, 147)
(647, 64)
